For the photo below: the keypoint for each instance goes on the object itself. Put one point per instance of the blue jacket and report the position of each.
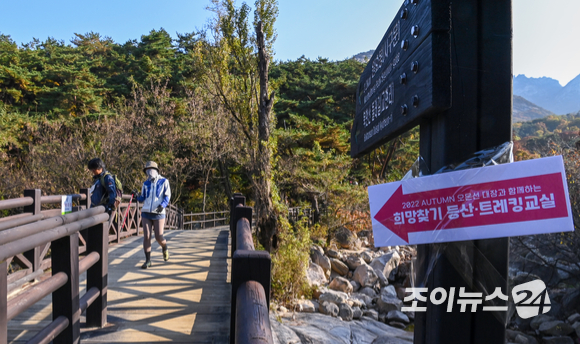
(155, 193)
(99, 193)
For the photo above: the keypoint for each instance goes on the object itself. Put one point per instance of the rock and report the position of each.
(281, 333)
(383, 318)
(328, 308)
(558, 340)
(571, 301)
(318, 291)
(389, 291)
(366, 256)
(356, 303)
(383, 281)
(355, 285)
(404, 269)
(397, 316)
(386, 304)
(283, 309)
(401, 293)
(320, 259)
(386, 263)
(387, 340)
(521, 339)
(308, 306)
(356, 313)
(397, 324)
(354, 262)
(315, 275)
(574, 318)
(368, 301)
(576, 327)
(410, 315)
(339, 267)
(333, 296)
(555, 328)
(333, 254)
(538, 320)
(393, 275)
(345, 312)
(365, 275)
(345, 238)
(370, 292)
(371, 313)
(341, 284)
(316, 248)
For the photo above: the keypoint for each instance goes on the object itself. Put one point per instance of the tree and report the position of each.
(236, 72)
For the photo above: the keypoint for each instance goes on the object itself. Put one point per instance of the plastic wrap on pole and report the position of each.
(485, 274)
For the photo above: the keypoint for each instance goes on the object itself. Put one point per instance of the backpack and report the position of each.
(118, 186)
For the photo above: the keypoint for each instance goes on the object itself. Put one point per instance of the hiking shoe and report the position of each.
(166, 255)
(146, 265)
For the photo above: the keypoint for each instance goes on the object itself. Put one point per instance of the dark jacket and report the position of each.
(103, 194)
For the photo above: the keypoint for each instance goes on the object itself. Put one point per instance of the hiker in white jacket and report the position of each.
(155, 195)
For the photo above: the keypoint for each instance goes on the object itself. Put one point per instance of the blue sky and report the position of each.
(545, 32)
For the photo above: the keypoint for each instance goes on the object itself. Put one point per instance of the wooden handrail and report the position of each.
(15, 203)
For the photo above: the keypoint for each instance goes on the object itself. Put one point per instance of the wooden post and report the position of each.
(86, 204)
(480, 118)
(65, 258)
(3, 303)
(97, 275)
(238, 213)
(35, 208)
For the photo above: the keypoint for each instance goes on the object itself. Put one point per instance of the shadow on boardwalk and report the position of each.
(184, 300)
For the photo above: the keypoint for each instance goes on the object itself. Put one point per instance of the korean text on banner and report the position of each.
(521, 198)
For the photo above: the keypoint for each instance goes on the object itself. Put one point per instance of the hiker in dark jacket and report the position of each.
(102, 193)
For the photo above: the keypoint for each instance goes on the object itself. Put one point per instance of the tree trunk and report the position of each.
(225, 173)
(262, 176)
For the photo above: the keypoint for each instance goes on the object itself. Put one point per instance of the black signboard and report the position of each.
(408, 76)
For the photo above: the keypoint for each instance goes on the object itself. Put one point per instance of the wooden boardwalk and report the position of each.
(184, 300)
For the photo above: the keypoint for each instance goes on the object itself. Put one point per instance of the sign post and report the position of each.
(463, 104)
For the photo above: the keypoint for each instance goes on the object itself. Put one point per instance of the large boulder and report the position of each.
(387, 262)
(318, 257)
(365, 275)
(355, 285)
(398, 316)
(367, 257)
(383, 281)
(341, 284)
(368, 301)
(308, 306)
(315, 276)
(339, 267)
(328, 308)
(333, 296)
(345, 312)
(389, 291)
(356, 313)
(557, 340)
(354, 262)
(368, 291)
(371, 313)
(571, 301)
(345, 238)
(333, 254)
(538, 320)
(555, 328)
(385, 304)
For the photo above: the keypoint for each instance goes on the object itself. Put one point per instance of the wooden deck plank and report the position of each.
(184, 300)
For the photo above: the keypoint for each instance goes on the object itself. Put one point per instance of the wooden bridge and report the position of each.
(103, 296)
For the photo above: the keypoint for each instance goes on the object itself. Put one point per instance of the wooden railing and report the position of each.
(206, 220)
(251, 281)
(27, 237)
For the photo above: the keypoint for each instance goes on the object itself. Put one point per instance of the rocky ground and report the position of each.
(361, 290)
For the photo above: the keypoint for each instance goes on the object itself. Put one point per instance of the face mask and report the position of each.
(152, 173)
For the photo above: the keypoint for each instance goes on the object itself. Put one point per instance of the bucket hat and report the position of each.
(150, 164)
